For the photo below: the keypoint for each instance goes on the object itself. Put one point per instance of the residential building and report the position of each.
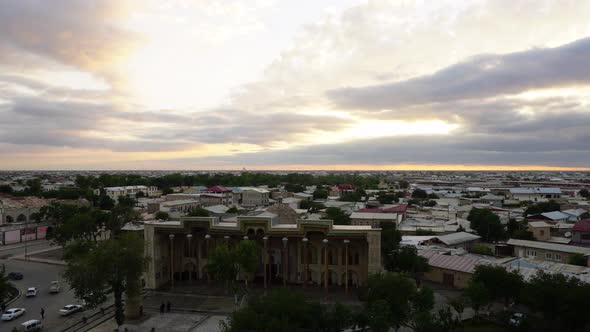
(535, 194)
(226, 193)
(553, 216)
(540, 229)
(252, 197)
(181, 206)
(545, 251)
(581, 233)
(115, 192)
(457, 240)
(450, 270)
(374, 219)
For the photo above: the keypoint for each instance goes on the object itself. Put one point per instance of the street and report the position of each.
(37, 275)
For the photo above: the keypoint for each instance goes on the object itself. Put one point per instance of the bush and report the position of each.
(482, 249)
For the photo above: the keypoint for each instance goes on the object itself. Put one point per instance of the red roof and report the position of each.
(402, 208)
(218, 189)
(370, 210)
(346, 186)
(582, 226)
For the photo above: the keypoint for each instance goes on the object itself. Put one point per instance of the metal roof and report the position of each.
(549, 246)
(453, 263)
(455, 238)
(530, 191)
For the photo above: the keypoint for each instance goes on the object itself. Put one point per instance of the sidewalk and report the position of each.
(22, 244)
(30, 256)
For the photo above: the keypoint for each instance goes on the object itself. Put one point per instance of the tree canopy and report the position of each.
(486, 224)
(542, 207)
(338, 216)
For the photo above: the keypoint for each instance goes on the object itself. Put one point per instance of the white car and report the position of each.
(31, 291)
(70, 309)
(13, 313)
(55, 287)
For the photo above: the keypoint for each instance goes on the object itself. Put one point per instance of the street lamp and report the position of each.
(285, 240)
(325, 242)
(346, 242)
(189, 237)
(305, 263)
(171, 236)
(265, 259)
(207, 238)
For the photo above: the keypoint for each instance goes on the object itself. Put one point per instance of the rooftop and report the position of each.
(549, 246)
(455, 238)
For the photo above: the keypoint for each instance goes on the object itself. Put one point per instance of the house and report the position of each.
(575, 214)
(450, 270)
(457, 240)
(491, 199)
(252, 197)
(553, 216)
(292, 202)
(535, 194)
(374, 219)
(115, 192)
(181, 206)
(226, 193)
(541, 230)
(545, 251)
(581, 233)
(303, 196)
(344, 206)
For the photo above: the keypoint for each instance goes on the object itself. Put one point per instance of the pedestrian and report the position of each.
(42, 313)
(168, 306)
(162, 306)
(141, 310)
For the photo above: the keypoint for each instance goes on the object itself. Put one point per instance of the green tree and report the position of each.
(246, 258)
(482, 249)
(95, 270)
(34, 187)
(140, 194)
(486, 224)
(222, 266)
(406, 259)
(167, 191)
(378, 312)
(499, 283)
(542, 207)
(161, 215)
(198, 212)
(105, 203)
(320, 194)
(6, 188)
(585, 193)
(403, 184)
(390, 239)
(578, 259)
(338, 216)
(419, 194)
(126, 201)
(477, 295)
(233, 210)
(294, 188)
(4, 284)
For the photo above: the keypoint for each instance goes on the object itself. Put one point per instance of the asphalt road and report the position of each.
(19, 249)
(38, 275)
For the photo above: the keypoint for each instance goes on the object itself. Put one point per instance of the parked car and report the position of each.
(32, 291)
(32, 325)
(13, 313)
(70, 309)
(516, 319)
(15, 276)
(55, 287)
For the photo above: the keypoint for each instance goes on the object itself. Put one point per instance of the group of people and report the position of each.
(165, 307)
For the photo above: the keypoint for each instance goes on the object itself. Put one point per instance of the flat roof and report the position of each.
(549, 246)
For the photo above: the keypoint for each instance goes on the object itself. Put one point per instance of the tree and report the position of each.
(4, 284)
(140, 194)
(320, 194)
(406, 259)
(34, 187)
(578, 259)
(198, 212)
(233, 210)
(390, 239)
(542, 207)
(477, 295)
(96, 269)
(126, 201)
(403, 184)
(499, 283)
(167, 191)
(222, 266)
(6, 188)
(294, 188)
(105, 202)
(284, 310)
(338, 216)
(585, 193)
(482, 249)
(486, 224)
(406, 303)
(161, 215)
(523, 234)
(387, 198)
(419, 194)
(246, 258)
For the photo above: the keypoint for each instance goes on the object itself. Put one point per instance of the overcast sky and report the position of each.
(307, 84)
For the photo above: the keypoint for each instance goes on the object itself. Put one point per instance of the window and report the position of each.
(531, 253)
(557, 257)
(541, 232)
(548, 256)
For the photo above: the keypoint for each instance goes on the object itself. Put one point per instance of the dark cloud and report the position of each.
(483, 76)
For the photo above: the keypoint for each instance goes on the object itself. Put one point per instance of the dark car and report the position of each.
(15, 276)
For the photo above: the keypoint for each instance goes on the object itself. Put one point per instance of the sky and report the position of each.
(307, 84)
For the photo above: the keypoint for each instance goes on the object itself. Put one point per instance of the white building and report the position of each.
(131, 191)
(535, 194)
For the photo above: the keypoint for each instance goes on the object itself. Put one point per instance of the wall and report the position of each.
(461, 279)
(540, 254)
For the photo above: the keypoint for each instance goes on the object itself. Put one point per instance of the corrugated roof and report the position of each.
(453, 263)
(549, 246)
(455, 238)
(541, 191)
(381, 216)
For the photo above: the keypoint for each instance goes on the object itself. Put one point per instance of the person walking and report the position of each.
(42, 313)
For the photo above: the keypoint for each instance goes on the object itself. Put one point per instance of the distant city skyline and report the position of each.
(290, 85)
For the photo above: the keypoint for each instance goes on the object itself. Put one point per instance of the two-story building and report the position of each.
(581, 233)
(546, 251)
